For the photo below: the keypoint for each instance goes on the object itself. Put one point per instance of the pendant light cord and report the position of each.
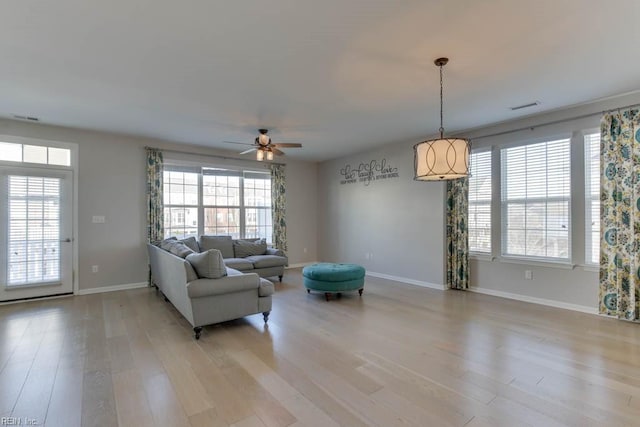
(441, 119)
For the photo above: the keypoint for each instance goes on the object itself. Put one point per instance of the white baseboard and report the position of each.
(535, 300)
(406, 280)
(301, 264)
(113, 288)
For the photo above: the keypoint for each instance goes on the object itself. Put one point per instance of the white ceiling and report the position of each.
(339, 76)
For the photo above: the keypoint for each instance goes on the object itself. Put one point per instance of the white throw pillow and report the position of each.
(208, 264)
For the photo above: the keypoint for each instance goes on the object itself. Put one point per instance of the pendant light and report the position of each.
(443, 158)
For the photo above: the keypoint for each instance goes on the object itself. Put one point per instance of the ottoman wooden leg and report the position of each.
(308, 291)
(327, 295)
(360, 291)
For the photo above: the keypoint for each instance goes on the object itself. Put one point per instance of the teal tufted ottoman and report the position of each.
(333, 278)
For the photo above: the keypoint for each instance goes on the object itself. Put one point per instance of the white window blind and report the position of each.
(479, 222)
(592, 198)
(535, 200)
(34, 230)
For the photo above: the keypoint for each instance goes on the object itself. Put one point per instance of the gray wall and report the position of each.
(402, 221)
(111, 182)
(397, 222)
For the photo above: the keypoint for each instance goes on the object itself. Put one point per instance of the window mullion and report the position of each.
(200, 204)
(242, 208)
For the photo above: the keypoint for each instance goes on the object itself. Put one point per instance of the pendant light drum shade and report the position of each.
(441, 159)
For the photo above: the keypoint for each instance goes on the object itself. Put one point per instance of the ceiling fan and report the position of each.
(263, 146)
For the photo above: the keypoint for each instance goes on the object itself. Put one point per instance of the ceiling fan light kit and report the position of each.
(264, 147)
(442, 158)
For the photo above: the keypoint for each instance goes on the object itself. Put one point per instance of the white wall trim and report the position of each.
(535, 300)
(301, 264)
(406, 280)
(113, 288)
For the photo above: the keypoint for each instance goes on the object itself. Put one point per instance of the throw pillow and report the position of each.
(245, 248)
(222, 243)
(192, 243)
(209, 264)
(180, 249)
(166, 243)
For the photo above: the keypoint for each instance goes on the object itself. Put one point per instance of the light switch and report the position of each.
(98, 219)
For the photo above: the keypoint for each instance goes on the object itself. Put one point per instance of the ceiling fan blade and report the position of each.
(287, 144)
(276, 151)
(239, 143)
(249, 151)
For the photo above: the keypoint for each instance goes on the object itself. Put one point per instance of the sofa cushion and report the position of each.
(181, 250)
(266, 261)
(166, 243)
(245, 248)
(191, 273)
(222, 243)
(191, 242)
(238, 264)
(266, 288)
(208, 264)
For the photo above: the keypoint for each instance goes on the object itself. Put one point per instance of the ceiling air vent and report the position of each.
(27, 118)
(520, 107)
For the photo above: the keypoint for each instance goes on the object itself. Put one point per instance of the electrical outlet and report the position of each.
(98, 219)
(528, 275)
(94, 268)
(304, 250)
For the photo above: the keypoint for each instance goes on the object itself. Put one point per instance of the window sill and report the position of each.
(590, 267)
(565, 265)
(481, 257)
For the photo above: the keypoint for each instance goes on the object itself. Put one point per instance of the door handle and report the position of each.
(67, 240)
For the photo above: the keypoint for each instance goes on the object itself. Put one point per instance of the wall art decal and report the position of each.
(374, 170)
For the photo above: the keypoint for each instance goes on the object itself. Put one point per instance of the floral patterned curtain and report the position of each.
(278, 206)
(457, 234)
(619, 294)
(155, 214)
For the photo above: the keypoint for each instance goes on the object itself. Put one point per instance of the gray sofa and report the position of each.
(204, 301)
(247, 256)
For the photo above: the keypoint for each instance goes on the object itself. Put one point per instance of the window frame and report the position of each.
(590, 198)
(503, 205)
(209, 170)
(489, 203)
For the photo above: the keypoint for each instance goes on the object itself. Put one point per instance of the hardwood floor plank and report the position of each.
(163, 402)
(208, 418)
(65, 406)
(132, 406)
(98, 402)
(12, 379)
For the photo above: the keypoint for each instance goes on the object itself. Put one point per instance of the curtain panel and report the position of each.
(619, 292)
(278, 207)
(155, 211)
(457, 242)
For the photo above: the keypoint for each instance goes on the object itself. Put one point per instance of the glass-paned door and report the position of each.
(36, 247)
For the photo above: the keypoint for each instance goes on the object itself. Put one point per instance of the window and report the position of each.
(535, 200)
(480, 202)
(12, 152)
(180, 203)
(592, 198)
(217, 201)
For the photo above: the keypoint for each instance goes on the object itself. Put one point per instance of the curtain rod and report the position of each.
(215, 156)
(554, 122)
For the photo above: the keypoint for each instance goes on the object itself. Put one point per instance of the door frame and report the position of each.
(73, 147)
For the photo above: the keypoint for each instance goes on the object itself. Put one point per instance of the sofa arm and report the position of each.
(275, 251)
(224, 285)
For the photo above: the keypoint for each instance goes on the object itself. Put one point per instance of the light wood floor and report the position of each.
(400, 355)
